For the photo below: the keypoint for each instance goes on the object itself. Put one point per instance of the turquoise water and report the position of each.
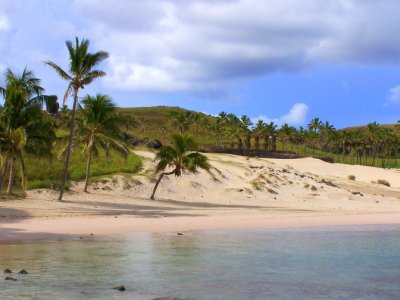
(339, 263)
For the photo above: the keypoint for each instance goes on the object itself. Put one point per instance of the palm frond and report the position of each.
(68, 92)
(58, 69)
(195, 160)
(91, 76)
(166, 157)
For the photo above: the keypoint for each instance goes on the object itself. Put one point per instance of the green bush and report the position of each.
(351, 177)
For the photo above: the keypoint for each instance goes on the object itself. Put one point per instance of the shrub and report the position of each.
(313, 188)
(383, 181)
(351, 177)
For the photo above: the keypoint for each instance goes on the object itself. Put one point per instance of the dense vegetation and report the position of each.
(28, 140)
(374, 144)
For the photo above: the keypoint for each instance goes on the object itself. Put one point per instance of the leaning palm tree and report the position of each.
(98, 127)
(81, 73)
(180, 157)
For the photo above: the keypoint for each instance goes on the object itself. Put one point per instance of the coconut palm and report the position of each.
(181, 120)
(246, 124)
(258, 129)
(315, 124)
(180, 157)
(24, 127)
(286, 134)
(235, 129)
(98, 127)
(270, 130)
(81, 73)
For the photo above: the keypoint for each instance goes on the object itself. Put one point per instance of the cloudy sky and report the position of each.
(280, 60)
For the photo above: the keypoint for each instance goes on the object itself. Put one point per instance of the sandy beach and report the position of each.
(238, 193)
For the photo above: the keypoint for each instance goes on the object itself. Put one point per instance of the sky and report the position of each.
(285, 61)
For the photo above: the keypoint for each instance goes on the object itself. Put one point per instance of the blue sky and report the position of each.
(279, 60)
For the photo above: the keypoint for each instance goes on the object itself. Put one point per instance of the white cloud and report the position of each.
(394, 95)
(168, 45)
(4, 23)
(295, 117)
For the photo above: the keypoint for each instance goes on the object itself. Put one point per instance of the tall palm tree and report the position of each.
(180, 157)
(98, 127)
(315, 124)
(258, 129)
(24, 127)
(81, 73)
(270, 130)
(246, 124)
(286, 134)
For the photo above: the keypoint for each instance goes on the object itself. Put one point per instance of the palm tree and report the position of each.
(246, 124)
(270, 130)
(181, 120)
(81, 73)
(24, 127)
(180, 157)
(204, 128)
(98, 127)
(235, 129)
(196, 119)
(258, 129)
(286, 134)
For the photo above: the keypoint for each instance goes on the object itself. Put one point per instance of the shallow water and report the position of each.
(338, 263)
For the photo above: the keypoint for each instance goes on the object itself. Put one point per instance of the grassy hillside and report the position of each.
(361, 127)
(149, 120)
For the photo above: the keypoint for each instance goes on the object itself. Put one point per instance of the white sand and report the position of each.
(241, 193)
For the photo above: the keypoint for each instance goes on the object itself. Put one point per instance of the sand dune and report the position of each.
(237, 188)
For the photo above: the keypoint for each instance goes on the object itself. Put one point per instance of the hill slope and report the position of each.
(149, 120)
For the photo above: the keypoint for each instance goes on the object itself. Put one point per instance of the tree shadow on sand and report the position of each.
(111, 208)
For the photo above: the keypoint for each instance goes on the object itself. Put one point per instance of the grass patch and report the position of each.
(257, 184)
(351, 177)
(47, 173)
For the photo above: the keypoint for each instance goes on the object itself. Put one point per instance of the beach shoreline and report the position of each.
(75, 227)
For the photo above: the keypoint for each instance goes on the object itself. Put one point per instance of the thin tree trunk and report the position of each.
(71, 134)
(3, 174)
(158, 182)
(11, 178)
(88, 170)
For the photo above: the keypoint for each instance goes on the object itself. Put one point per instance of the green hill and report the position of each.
(364, 127)
(150, 120)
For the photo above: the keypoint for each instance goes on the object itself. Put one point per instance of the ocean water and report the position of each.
(320, 263)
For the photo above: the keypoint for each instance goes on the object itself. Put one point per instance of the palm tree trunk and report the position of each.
(88, 170)
(71, 133)
(3, 174)
(11, 178)
(158, 182)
